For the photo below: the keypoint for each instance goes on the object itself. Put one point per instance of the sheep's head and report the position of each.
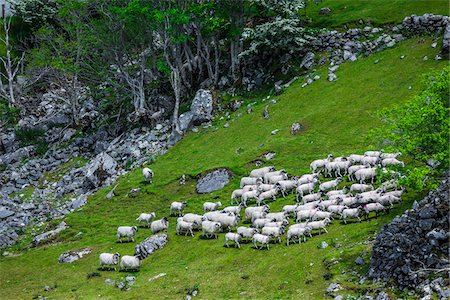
(165, 220)
(184, 203)
(134, 228)
(116, 257)
(219, 203)
(327, 221)
(217, 225)
(339, 179)
(153, 214)
(259, 180)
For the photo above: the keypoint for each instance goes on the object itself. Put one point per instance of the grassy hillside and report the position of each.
(336, 116)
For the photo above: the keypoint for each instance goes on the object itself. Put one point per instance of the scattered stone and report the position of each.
(332, 77)
(74, 255)
(111, 192)
(269, 155)
(266, 112)
(49, 234)
(323, 245)
(213, 181)
(360, 261)
(434, 45)
(226, 125)
(376, 61)
(183, 180)
(110, 281)
(150, 245)
(157, 276)
(120, 285)
(130, 278)
(273, 132)
(317, 77)
(272, 101)
(295, 128)
(334, 287)
(308, 61)
(425, 58)
(195, 129)
(338, 297)
(402, 56)
(6, 213)
(324, 11)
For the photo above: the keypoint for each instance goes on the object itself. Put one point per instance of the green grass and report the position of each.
(337, 115)
(376, 12)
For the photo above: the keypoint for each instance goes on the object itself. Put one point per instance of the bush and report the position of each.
(8, 115)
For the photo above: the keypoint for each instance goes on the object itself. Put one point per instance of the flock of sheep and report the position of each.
(317, 204)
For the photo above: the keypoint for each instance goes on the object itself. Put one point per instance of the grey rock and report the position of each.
(150, 245)
(333, 287)
(6, 213)
(130, 278)
(185, 120)
(213, 181)
(295, 128)
(323, 245)
(102, 167)
(266, 112)
(120, 285)
(332, 77)
(49, 234)
(202, 107)
(446, 41)
(74, 255)
(360, 261)
(324, 11)
(110, 281)
(308, 61)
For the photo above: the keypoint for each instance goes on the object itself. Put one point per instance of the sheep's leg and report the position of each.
(359, 219)
(238, 245)
(268, 248)
(325, 230)
(345, 221)
(226, 243)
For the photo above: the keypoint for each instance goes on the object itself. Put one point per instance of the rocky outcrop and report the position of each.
(43, 237)
(213, 181)
(427, 23)
(414, 247)
(150, 245)
(74, 255)
(200, 112)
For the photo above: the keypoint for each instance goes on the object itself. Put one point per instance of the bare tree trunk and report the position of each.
(175, 81)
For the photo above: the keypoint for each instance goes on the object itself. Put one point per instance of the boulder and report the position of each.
(213, 181)
(308, 61)
(7, 142)
(150, 245)
(202, 107)
(325, 11)
(446, 41)
(6, 213)
(101, 167)
(49, 234)
(74, 255)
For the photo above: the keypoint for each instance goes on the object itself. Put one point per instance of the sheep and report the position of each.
(260, 223)
(228, 221)
(373, 153)
(319, 225)
(250, 181)
(258, 215)
(307, 178)
(300, 225)
(250, 187)
(148, 175)
(351, 213)
(319, 163)
(233, 209)
(350, 201)
(305, 214)
(388, 200)
(286, 185)
(311, 197)
(367, 197)
(187, 227)
(359, 188)
(234, 237)
(321, 215)
(235, 195)
(296, 232)
(195, 219)
(247, 232)
(306, 188)
(396, 193)
(356, 158)
(264, 187)
(215, 215)
(261, 171)
(281, 224)
(250, 195)
(146, 218)
(337, 167)
(388, 185)
(130, 263)
(267, 195)
(249, 211)
(329, 185)
(210, 228)
(262, 239)
(392, 162)
(352, 169)
(370, 160)
(290, 209)
(177, 207)
(278, 216)
(276, 178)
(267, 176)
(109, 259)
(159, 225)
(376, 207)
(365, 174)
(336, 209)
(327, 203)
(126, 231)
(390, 155)
(340, 158)
(337, 192)
(273, 232)
(210, 206)
(307, 206)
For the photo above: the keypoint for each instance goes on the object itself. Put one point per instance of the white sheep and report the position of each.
(130, 263)
(276, 178)
(305, 215)
(390, 155)
(359, 188)
(249, 211)
(319, 225)
(234, 237)
(109, 259)
(321, 215)
(264, 187)
(267, 176)
(148, 175)
(367, 197)
(308, 206)
(195, 219)
(388, 185)
(336, 208)
(290, 209)
(273, 232)
(272, 194)
(233, 209)
(250, 187)
(211, 206)
(311, 197)
(236, 195)
(228, 221)
(286, 185)
(261, 171)
(262, 239)
(250, 181)
(392, 162)
(329, 185)
(299, 225)
(307, 178)
(250, 195)
(370, 160)
(352, 169)
(337, 192)
(278, 216)
(396, 193)
(388, 200)
(126, 231)
(177, 207)
(350, 201)
(356, 158)
(210, 228)
(319, 163)
(215, 215)
(186, 227)
(260, 223)
(247, 232)
(366, 174)
(351, 213)
(373, 207)
(325, 204)
(297, 232)
(258, 215)
(159, 225)
(306, 188)
(281, 224)
(147, 218)
(373, 153)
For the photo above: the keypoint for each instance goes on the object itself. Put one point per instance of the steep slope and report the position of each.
(336, 116)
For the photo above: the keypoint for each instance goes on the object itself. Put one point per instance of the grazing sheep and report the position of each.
(267, 176)
(320, 163)
(388, 185)
(177, 207)
(130, 263)
(306, 188)
(234, 237)
(109, 259)
(341, 158)
(148, 175)
(258, 215)
(281, 224)
(396, 193)
(305, 215)
(195, 219)
(126, 231)
(186, 227)
(235, 195)
(250, 181)
(215, 215)
(350, 201)
(325, 204)
(352, 169)
(273, 232)
(260, 223)
(365, 174)
(276, 178)
(308, 206)
(250, 195)
(373, 207)
(338, 167)
(388, 200)
(250, 187)
(336, 209)
(337, 192)
(392, 162)
(272, 194)
(264, 187)
(329, 185)
(356, 158)
(311, 197)
(290, 209)
(370, 160)
(367, 197)
(321, 215)
(227, 221)
(159, 225)
(286, 185)
(390, 155)
(278, 216)
(262, 239)
(300, 225)
(351, 213)
(210, 206)
(210, 228)
(297, 232)
(147, 218)
(319, 225)
(307, 178)
(373, 153)
(233, 209)
(261, 171)
(359, 188)
(247, 232)
(249, 211)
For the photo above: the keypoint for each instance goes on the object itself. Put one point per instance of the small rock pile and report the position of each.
(150, 245)
(422, 24)
(415, 245)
